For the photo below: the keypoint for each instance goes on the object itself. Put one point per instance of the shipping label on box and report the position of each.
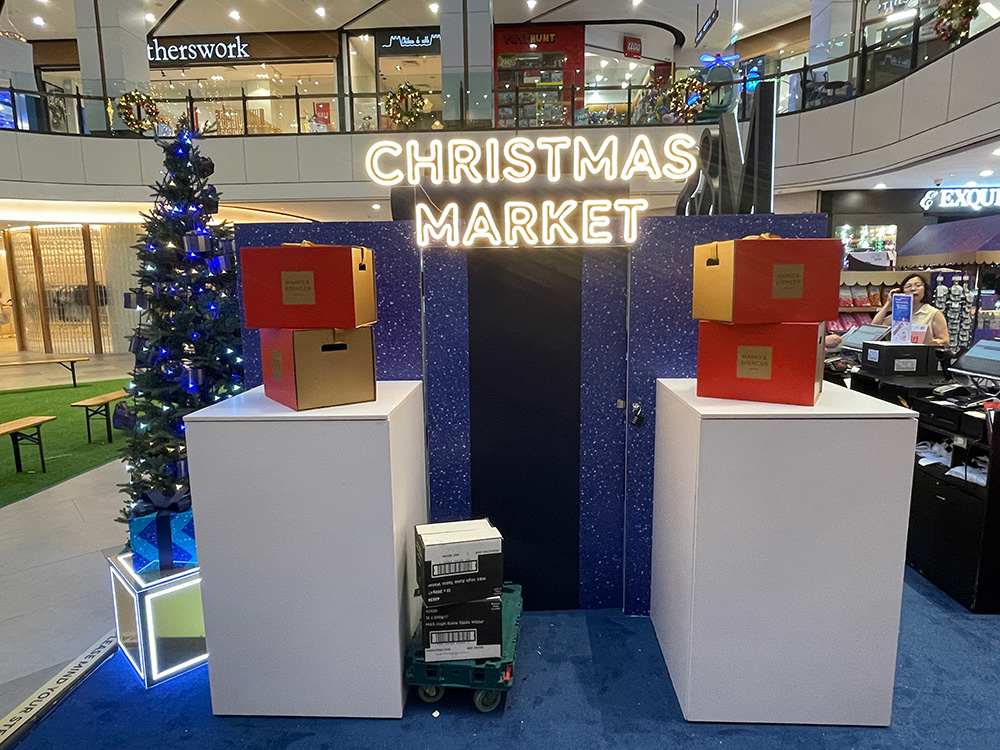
(469, 630)
(459, 561)
(756, 280)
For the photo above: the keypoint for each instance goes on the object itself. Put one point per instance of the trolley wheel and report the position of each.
(430, 693)
(487, 700)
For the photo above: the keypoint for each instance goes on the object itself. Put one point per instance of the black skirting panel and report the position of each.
(524, 403)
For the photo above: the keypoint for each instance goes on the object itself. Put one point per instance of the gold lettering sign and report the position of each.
(786, 280)
(298, 288)
(276, 365)
(754, 362)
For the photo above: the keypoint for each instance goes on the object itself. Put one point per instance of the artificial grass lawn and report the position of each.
(67, 452)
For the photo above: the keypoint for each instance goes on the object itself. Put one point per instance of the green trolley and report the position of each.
(489, 678)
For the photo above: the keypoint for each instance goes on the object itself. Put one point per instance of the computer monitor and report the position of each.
(855, 339)
(982, 360)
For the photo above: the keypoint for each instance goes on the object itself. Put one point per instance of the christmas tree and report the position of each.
(187, 344)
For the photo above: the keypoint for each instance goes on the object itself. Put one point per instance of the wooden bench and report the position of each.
(16, 430)
(68, 363)
(99, 406)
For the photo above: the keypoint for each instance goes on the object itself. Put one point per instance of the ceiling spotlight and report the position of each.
(321, 11)
(531, 4)
(216, 77)
(986, 173)
(880, 186)
(598, 78)
(434, 8)
(604, 63)
(737, 27)
(532, 46)
(38, 21)
(636, 3)
(44, 2)
(235, 15)
(901, 15)
(150, 18)
(970, 183)
(633, 66)
(376, 206)
(628, 76)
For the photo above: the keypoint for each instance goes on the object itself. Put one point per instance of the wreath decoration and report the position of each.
(134, 103)
(954, 17)
(687, 98)
(404, 105)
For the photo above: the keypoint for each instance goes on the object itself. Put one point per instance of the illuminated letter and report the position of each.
(492, 161)
(481, 226)
(641, 158)
(445, 228)
(416, 162)
(681, 161)
(553, 145)
(586, 162)
(521, 167)
(520, 218)
(592, 221)
(463, 158)
(554, 220)
(375, 171)
(630, 208)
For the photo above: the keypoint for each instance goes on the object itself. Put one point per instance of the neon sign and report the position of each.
(520, 160)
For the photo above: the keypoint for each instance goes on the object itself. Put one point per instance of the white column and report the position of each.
(475, 28)
(123, 41)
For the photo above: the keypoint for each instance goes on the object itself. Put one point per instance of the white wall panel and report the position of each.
(51, 158)
(272, 159)
(323, 159)
(150, 161)
(826, 133)
(925, 103)
(876, 118)
(227, 153)
(108, 162)
(786, 148)
(974, 79)
(10, 159)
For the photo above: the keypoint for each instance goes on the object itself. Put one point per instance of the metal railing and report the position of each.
(808, 87)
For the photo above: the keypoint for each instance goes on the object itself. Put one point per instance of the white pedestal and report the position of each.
(304, 523)
(779, 536)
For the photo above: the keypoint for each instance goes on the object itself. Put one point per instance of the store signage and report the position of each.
(235, 49)
(528, 38)
(632, 46)
(428, 42)
(520, 160)
(706, 26)
(960, 200)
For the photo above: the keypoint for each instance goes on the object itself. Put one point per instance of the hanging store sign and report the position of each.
(518, 161)
(228, 48)
(632, 47)
(420, 42)
(961, 200)
(706, 26)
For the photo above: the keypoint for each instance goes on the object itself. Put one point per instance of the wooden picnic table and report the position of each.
(99, 406)
(16, 429)
(68, 363)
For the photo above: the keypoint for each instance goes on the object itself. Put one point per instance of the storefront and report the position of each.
(290, 79)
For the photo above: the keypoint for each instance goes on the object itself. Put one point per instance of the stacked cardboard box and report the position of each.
(315, 308)
(760, 302)
(460, 576)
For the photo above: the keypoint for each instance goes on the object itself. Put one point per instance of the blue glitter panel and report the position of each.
(603, 366)
(663, 344)
(446, 342)
(397, 283)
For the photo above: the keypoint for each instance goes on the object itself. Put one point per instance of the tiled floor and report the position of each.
(99, 367)
(55, 599)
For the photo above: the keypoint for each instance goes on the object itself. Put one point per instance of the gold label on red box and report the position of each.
(787, 280)
(298, 288)
(276, 365)
(754, 362)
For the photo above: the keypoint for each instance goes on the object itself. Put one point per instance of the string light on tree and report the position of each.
(687, 98)
(138, 111)
(954, 17)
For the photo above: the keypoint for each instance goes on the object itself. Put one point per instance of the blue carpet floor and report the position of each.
(586, 680)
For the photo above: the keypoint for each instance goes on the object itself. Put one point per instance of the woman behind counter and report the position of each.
(924, 314)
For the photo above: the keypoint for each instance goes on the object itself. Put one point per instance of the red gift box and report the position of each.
(308, 286)
(777, 362)
(767, 280)
(311, 368)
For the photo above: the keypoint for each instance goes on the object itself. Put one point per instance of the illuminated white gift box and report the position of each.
(158, 618)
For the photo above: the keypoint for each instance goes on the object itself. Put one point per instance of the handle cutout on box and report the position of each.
(711, 261)
(362, 266)
(339, 346)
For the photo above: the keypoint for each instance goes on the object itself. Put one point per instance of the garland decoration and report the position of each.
(954, 18)
(131, 104)
(404, 105)
(687, 97)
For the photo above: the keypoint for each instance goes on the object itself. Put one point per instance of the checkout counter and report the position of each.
(954, 529)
